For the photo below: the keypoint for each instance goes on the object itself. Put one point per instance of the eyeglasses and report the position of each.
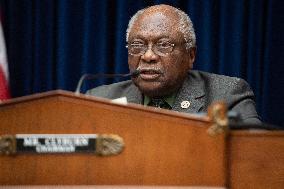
(161, 48)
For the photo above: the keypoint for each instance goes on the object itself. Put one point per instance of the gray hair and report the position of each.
(185, 27)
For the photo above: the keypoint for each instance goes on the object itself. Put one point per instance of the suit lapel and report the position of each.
(192, 91)
(133, 95)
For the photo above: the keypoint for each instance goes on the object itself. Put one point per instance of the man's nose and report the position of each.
(149, 56)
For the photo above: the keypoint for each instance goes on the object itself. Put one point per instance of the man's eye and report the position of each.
(137, 45)
(164, 45)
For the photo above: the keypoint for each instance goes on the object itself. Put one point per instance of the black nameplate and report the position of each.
(56, 143)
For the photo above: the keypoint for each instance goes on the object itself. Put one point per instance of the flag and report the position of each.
(4, 73)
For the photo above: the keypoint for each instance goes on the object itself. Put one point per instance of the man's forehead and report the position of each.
(152, 21)
(156, 22)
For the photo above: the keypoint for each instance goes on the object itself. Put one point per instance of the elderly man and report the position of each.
(162, 47)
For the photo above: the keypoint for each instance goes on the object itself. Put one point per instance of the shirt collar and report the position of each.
(170, 99)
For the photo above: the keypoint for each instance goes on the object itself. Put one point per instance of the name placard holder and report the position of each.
(98, 144)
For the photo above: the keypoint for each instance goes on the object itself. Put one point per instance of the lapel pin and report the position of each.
(184, 104)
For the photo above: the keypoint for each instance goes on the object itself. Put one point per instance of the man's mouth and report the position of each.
(149, 74)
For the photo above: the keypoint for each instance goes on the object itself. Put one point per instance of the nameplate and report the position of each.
(105, 144)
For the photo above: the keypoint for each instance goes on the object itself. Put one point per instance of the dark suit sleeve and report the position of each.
(242, 101)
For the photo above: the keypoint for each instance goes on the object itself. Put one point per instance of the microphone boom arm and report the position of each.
(94, 76)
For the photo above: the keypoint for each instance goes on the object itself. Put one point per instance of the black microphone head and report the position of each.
(135, 73)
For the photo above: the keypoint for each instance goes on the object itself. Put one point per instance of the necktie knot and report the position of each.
(159, 103)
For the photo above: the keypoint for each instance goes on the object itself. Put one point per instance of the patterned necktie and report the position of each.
(159, 103)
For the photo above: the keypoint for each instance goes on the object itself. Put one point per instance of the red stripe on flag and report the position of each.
(4, 91)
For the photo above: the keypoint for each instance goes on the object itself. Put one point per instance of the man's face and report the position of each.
(160, 75)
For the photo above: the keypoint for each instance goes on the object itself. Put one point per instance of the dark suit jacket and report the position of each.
(200, 89)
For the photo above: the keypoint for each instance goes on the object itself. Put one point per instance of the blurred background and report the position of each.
(51, 43)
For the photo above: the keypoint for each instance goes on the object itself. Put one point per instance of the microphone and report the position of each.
(102, 75)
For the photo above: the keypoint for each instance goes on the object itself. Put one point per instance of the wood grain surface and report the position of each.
(162, 147)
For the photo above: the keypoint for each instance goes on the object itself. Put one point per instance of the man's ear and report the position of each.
(191, 58)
